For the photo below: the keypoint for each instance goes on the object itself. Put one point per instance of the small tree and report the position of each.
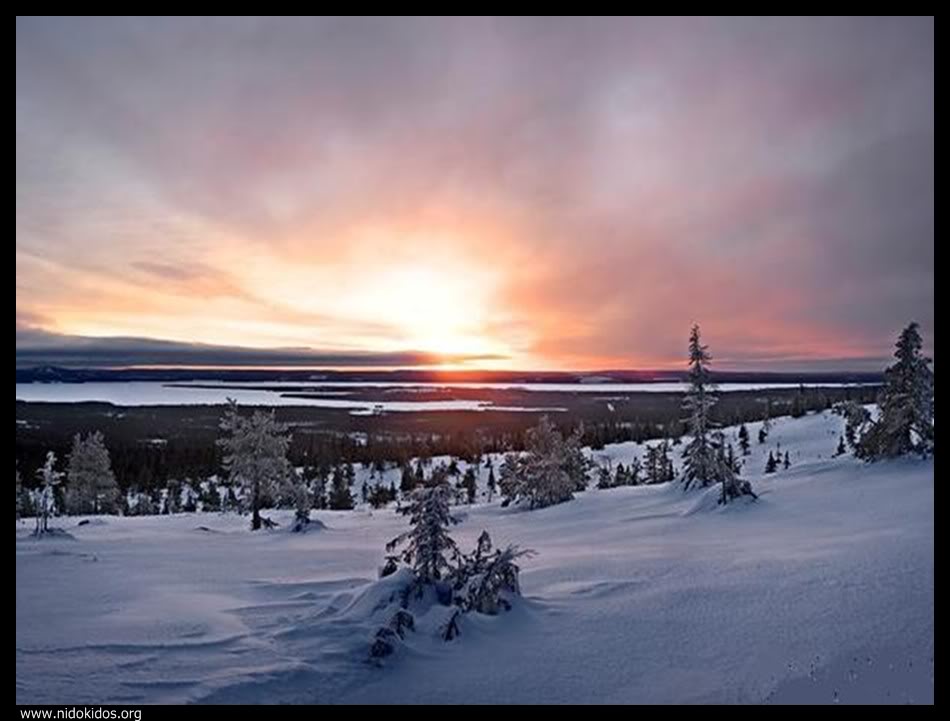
(429, 550)
(492, 484)
(91, 484)
(658, 465)
(303, 502)
(485, 576)
(732, 487)
(46, 501)
(604, 478)
(470, 484)
(744, 440)
(771, 465)
(380, 495)
(255, 456)
(786, 463)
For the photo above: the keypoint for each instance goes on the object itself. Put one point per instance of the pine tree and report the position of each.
(620, 477)
(766, 426)
(255, 456)
(787, 462)
(380, 495)
(771, 465)
(906, 420)
(732, 487)
(484, 577)
(548, 472)
(91, 484)
(700, 466)
(46, 501)
(429, 550)
(303, 502)
(604, 479)
(744, 440)
(633, 472)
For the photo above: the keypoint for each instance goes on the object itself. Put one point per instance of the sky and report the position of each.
(516, 193)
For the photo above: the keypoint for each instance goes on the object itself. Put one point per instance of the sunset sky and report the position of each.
(507, 193)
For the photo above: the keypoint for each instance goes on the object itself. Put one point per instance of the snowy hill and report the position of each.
(821, 591)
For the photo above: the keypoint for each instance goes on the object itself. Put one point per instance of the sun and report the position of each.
(435, 310)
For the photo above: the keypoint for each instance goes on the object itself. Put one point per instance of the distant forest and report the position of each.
(150, 445)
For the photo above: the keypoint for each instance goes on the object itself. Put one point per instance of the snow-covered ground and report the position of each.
(821, 591)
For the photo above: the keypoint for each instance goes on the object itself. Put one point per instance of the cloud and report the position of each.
(38, 348)
(610, 180)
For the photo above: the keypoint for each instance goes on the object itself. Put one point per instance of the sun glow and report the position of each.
(440, 310)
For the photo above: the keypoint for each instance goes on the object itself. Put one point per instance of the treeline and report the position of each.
(151, 447)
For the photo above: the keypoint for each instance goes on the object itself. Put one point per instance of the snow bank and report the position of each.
(637, 594)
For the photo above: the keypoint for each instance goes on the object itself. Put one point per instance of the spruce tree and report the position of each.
(429, 549)
(548, 472)
(255, 456)
(700, 466)
(771, 465)
(744, 440)
(91, 484)
(906, 420)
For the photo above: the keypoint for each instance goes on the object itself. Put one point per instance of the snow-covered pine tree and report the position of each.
(486, 575)
(766, 426)
(91, 485)
(771, 465)
(654, 464)
(700, 463)
(46, 498)
(576, 464)
(604, 477)
(905, 423)
(255, 456)
(732, 487)
(429, 549)
(548, 472)
(633, 472)
(303, 502)
(744, 440)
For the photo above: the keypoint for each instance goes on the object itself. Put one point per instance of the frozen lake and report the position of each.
(251, 393)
